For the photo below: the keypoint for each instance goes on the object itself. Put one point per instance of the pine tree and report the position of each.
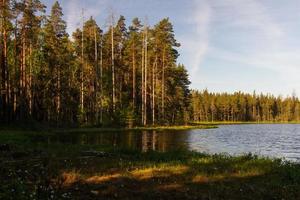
(5, 26)
(57, 57)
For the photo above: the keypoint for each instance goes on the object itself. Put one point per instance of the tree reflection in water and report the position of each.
(144, 141)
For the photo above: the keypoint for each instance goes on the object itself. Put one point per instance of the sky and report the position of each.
(226, 45)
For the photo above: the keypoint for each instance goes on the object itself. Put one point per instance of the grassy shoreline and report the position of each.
(216, 123)
(90, 129)
(149, 128)
(121, 174)
(30, 170)
(108, 129)
(192, 125)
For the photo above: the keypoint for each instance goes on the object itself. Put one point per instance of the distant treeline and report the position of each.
(240, 106)
(123, 75)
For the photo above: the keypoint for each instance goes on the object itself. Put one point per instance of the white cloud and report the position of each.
(251, 24)
(285, 63)
(74, 12)
(247, 15)
(237, 32)
(232, 15)
(195, 44)
(269, 50)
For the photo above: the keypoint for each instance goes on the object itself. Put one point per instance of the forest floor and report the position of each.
(31, 170)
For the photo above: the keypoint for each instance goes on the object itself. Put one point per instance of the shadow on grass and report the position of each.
(255, 187)
(120, 174)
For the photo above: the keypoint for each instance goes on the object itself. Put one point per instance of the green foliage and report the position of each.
(50, 78)
(243, 107)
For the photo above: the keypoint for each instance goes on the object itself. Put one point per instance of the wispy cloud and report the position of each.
(247, 15)
(195, 43)
(268, 50)
(223, 35)
(239, 33)
(74, 11)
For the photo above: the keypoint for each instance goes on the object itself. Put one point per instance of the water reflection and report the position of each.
(144, 141)
(273, 140)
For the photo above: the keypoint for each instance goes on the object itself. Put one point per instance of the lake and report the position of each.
(272, 140)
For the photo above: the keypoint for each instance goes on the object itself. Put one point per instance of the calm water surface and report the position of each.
(273, 140)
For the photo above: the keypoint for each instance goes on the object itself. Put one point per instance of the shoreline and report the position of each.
(150, 128)
(88, 172)
(38, 170)
(241, 123)
(190, 126)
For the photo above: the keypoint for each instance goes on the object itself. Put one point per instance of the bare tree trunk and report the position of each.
(96, 110)
(146, 68)
(152, 93)
(30, 79)
(153, 89)
(143, 62)
(101, 82)
(120, 77)
(163, 87)
(3, 68)
(16, 78)
(23, 77)
(82, 67)
(113, 64)
(133, 77)
(6, 75)
(5, 85)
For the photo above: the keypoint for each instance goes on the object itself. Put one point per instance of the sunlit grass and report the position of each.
(147, 128)
(42, 171)
(215, 123)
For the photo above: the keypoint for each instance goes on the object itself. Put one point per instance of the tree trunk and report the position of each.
(3, 73)
(146, 71)
(101, 81)
(30, 80)
(163, 86)
(82, 68)
(23, 79)
(153, 89)
(96, 110)
(143, 62)
(133, 77)
(4, 68)
(113, 66)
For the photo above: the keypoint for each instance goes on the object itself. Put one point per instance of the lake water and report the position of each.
(273, 140)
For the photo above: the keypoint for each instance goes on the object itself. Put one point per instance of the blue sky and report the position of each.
(227, 45)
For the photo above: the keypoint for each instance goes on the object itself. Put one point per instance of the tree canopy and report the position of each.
(125, 74)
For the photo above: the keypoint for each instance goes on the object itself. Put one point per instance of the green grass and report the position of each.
(215, 123)
(147, 128)
(187, 127)
(38, 170)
